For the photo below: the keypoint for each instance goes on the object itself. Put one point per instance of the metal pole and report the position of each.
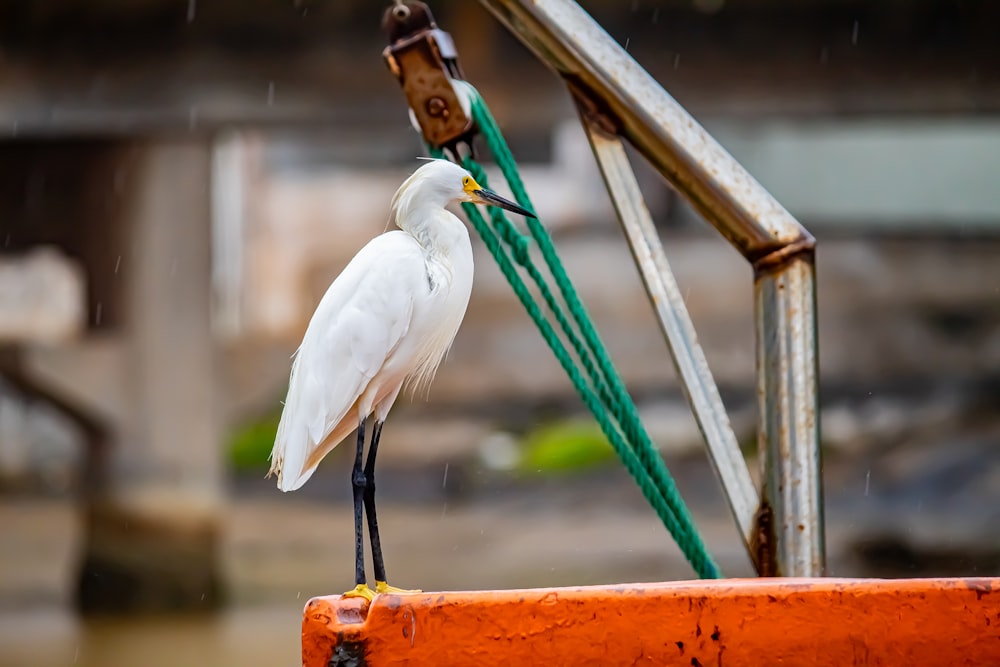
(788, 434)
(568, 40)
(627, 101)
(668, 304)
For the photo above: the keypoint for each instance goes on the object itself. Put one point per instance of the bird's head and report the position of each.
(447, 182)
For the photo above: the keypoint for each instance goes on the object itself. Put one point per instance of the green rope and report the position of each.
(605, 395)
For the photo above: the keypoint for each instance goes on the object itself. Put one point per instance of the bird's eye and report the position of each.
(466, 181)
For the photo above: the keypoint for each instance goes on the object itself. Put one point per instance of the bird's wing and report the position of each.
(358, 324)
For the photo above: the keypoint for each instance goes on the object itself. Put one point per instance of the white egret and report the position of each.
(388, 319)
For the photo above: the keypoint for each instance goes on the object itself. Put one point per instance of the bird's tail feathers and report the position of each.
(291, 447)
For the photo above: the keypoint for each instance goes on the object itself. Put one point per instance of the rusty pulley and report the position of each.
(424, 60)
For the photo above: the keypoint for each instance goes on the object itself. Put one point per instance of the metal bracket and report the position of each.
(424, 60)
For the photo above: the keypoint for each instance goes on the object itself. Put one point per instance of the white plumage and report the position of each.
(389, 317)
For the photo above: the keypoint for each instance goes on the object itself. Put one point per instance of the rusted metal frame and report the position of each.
(629, 102)
(665, 296)
(569, 41)
(788, 428)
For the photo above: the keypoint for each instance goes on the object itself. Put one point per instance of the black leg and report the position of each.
(358, 483)
(379, 564)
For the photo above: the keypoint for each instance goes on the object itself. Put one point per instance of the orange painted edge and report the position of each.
(913, 622)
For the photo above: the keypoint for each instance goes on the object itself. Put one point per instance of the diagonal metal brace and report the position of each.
(675, 323)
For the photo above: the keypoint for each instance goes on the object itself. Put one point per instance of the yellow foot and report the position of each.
(361, 591)
(383, 587)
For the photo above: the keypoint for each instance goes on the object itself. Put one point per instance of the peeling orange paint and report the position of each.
(816, 622)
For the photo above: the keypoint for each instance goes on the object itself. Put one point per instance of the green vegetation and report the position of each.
(250, 445)
(566, 446)
(563, 446)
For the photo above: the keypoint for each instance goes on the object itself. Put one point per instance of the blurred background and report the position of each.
(180, 180)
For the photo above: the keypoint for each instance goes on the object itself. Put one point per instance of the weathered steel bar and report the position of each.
(785, 299)
(627, 101)
(567, 39)
(668, 304)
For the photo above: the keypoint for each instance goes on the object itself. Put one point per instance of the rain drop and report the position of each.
(854, 32)
(270, 94)
(192, 10)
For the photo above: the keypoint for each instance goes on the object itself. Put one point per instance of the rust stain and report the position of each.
(774, 259)
(592, 107)
(980, 586)
(764, 542)
(425, 72)
(821, 622)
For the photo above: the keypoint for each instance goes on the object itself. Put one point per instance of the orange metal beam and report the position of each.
(816, 622)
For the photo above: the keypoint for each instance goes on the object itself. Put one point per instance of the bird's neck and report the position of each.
(434, 228)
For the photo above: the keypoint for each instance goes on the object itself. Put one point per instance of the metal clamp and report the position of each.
(424, 60)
